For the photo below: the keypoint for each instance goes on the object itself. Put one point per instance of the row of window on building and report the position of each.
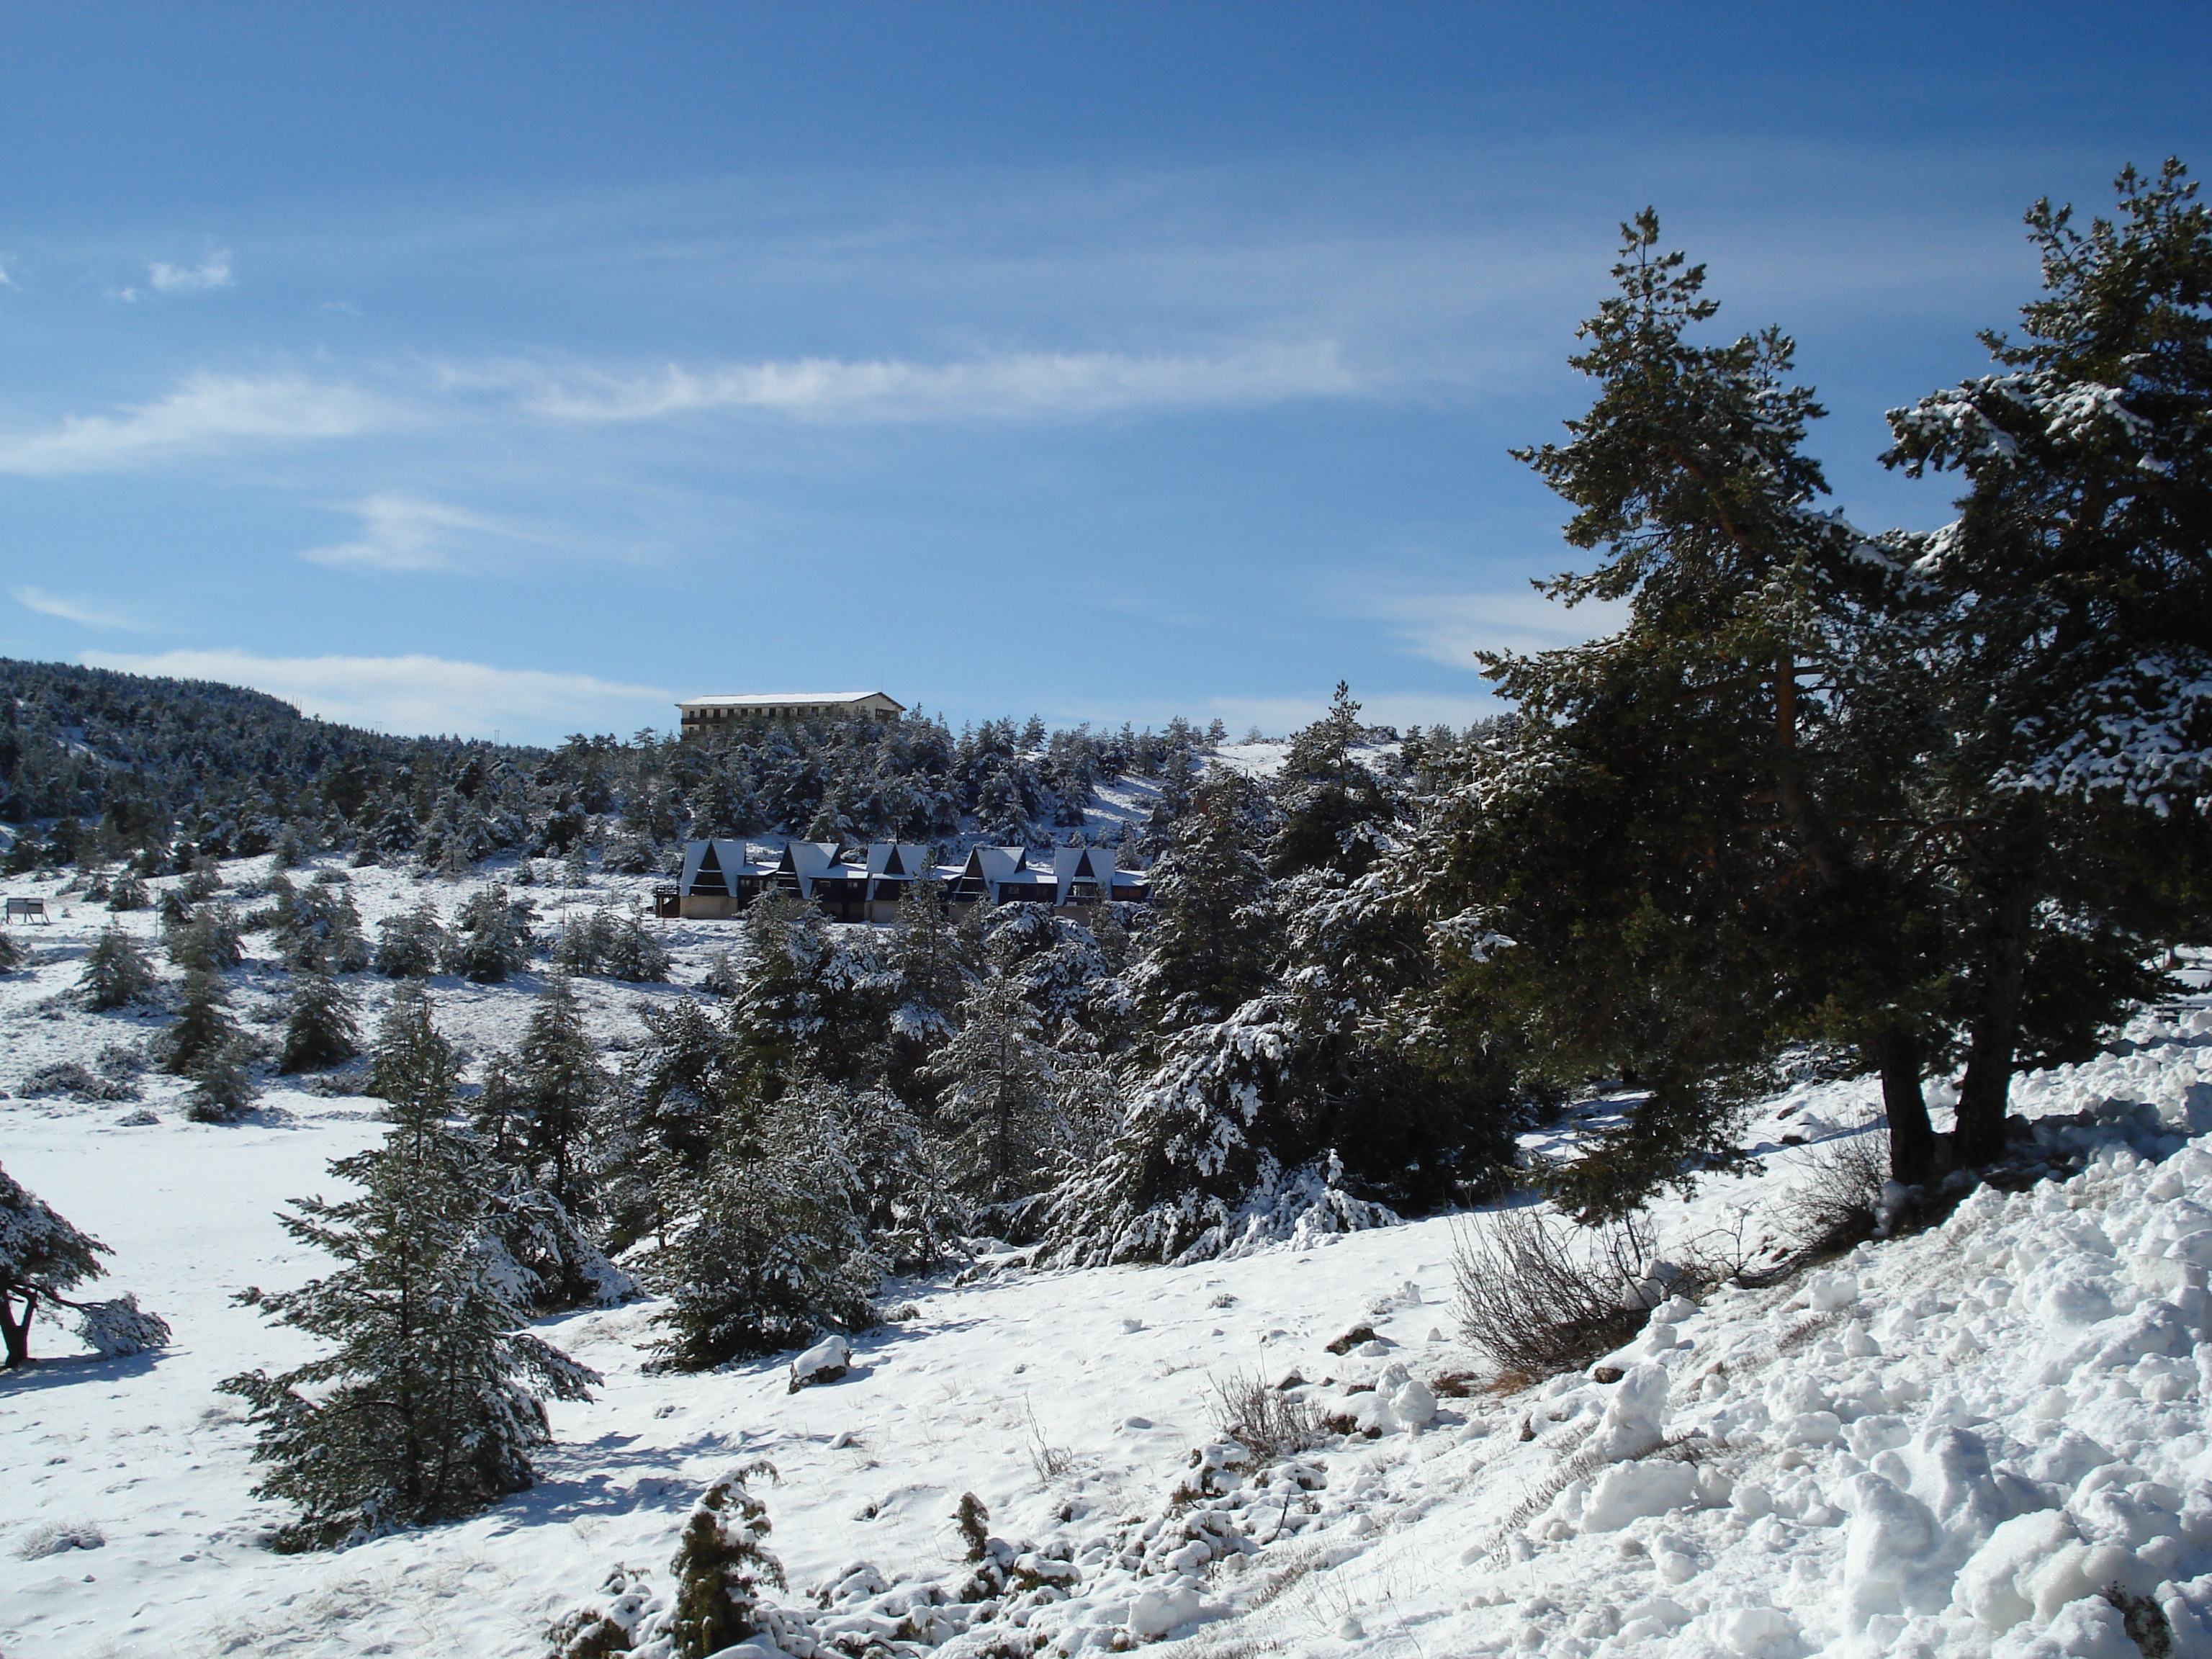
(721, 878)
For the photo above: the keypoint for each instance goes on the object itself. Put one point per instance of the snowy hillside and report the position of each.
(1988, 1439)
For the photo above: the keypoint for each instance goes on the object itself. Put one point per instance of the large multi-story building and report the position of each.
(705, 717)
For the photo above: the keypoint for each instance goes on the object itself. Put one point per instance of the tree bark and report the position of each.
(1995, 1029)
(17, 1332)
(1895, 1052)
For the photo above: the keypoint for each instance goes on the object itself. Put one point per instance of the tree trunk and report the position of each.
(1896, 1053)
(1995, 1029)
(17, 1332)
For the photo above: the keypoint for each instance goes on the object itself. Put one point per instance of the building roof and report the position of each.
(775, 699)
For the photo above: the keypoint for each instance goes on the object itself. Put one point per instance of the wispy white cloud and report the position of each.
(1015, 385)
(1278, 717)
(94, 613)
(206, 412)
(6, 272)
(406, 533)
(1450, 628)
(212, 272)
(413, 693)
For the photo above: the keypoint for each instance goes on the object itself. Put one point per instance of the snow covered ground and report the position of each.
(1951, 1443)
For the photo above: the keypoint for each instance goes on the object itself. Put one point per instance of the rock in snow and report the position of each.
(825, 1362)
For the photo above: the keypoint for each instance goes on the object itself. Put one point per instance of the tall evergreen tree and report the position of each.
(2068, 614)
(999, 1106)
(1207, 945)
(560, 1089)
(1678, 834)
(429, 1402)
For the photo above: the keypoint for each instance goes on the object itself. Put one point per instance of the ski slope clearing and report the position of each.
(1988, 1439)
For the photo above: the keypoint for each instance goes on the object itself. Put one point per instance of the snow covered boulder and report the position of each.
(1158, 1611)
(1629, 1491)
(1398, 1400)
(1885, 1552)
(825, 1362)
(2091, 1628)
(1829, 1291)
(1993, 1584)
(1758, 1632)
(1635, 1415)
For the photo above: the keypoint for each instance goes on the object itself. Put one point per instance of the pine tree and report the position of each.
(721, 1565)
(209, 938)
(679, 1083)
(929, 975)
(1336, 813)
(12, 953)
(319, 930)
(777, 1247)
(126, 892)
(222, 1088)
(998, 1103)
(42, 1257)
(321, 1030)
(116, 971)
(633, 955)
(203, 1023)
(430, 1400)
(1206, 948)
(780, 1010)
(490, 937)
(2068, 614)
(560, 1089)
(409, 946)
(1679, 835)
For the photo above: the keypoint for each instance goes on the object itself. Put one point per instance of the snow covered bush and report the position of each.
(721, 1565)
(490, 937)
(320, 1030)
(1188, 1174)
(41, 1257)
(116, 1328)
(116, 972)
(409, 946)
(1268, 1422)
(67, 1077)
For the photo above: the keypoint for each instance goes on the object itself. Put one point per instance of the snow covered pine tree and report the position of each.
(431, 1402)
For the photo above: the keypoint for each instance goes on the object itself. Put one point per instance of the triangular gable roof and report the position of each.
(898, 859)
(728, 860)
(1073, 864)
(807, 860)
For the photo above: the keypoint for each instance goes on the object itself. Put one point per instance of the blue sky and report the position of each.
(518, 369)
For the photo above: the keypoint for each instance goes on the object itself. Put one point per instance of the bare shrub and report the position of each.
(1050, 1461)
(1538, 1295)
(1270, 1423)
(1838, 1200)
